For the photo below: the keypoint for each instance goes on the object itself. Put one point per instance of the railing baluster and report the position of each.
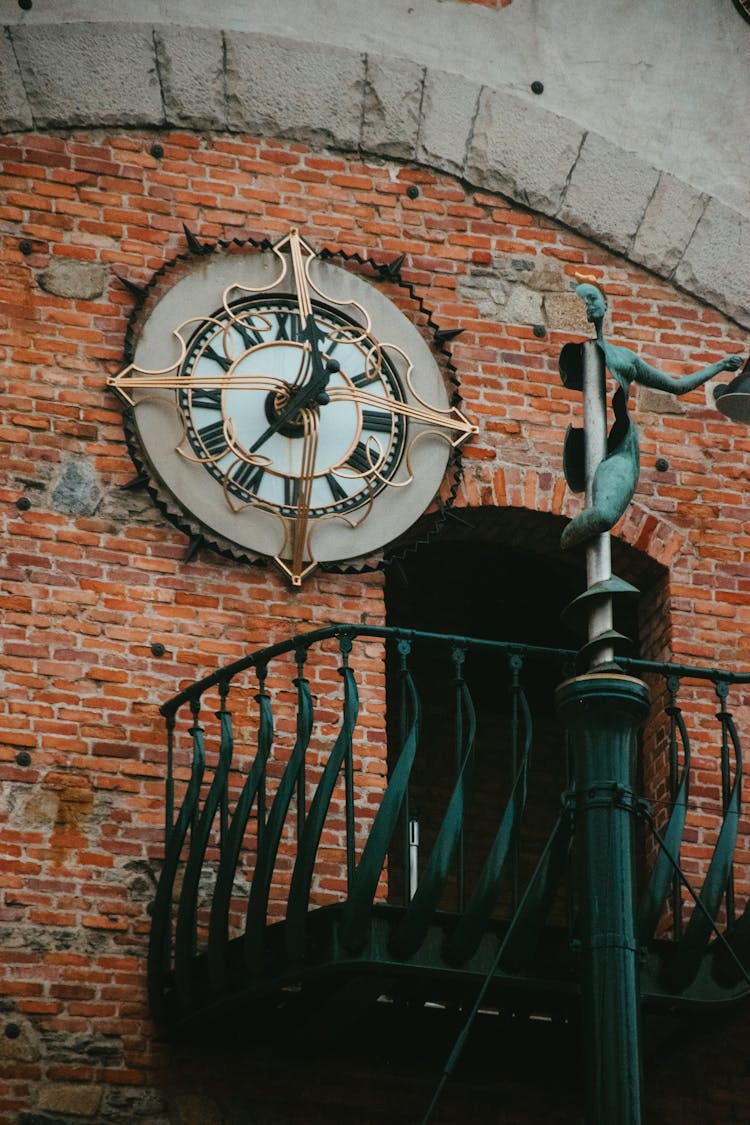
(458, 655)
(257, 906)
(411, 930)
(664, 873)
(263, 700)
(722, 691)
(196, 731)
(516, 664)
(471, 925)
(302, 685)
(298, 901)
(345, 648)
(672, 710)
(357, 910)
(406, 688)
(699, 929)
(226, 748)
(169, 797)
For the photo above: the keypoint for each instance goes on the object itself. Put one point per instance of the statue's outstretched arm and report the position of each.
(681, 384)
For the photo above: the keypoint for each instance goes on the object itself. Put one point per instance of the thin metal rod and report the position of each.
(598, 549)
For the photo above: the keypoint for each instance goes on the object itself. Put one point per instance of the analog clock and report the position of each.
(289, 408)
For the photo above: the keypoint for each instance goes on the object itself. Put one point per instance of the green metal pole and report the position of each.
(602, 713)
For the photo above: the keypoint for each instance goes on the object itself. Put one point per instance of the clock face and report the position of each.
(359, 443)
(289, 408)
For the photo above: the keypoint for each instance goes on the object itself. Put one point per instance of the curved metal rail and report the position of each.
(304, 828)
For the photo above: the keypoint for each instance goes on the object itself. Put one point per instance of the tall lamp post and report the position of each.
(602, 709)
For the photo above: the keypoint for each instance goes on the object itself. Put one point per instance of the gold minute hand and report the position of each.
(451, 419)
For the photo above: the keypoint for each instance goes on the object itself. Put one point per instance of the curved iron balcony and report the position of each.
(319, 833)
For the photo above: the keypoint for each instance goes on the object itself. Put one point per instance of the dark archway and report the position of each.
(499, 574)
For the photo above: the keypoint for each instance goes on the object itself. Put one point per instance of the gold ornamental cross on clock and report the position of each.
(289, 408)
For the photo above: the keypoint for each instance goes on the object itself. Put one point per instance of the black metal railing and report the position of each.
(297, 786)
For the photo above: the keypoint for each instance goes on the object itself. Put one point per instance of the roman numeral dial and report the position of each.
(301, 415)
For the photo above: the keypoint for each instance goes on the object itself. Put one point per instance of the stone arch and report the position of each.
(97, 74)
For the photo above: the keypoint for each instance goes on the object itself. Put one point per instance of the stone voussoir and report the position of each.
(89, 74)
(449, 105)
(716, 263)
(14, 107)
(521, 150)
(668, 224)
(191, 66)
(608, 193)
(108, 74)
(393, 95)
(301, 91)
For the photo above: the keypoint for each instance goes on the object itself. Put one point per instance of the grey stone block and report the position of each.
(76, 1098)
(564, 312)
(667, 225)
(191, 67)
(14, 108)
(449, 105)
(89, 74)
(66, 277)
(77, 492)
(608, 193)
(521, 150)
(716, 263)
(304, 91)
(393, 94)
(659, 402)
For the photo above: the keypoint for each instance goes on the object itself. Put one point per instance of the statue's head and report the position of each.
(596, 302)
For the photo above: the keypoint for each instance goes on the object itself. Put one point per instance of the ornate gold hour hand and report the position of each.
(452, 420)
(297, 569)
(126, 381)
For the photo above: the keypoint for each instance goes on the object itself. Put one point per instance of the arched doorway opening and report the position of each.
(499, 574)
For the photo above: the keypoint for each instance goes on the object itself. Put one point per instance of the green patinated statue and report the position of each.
(616, 475)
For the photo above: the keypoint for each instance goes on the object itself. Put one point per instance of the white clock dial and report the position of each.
(289, 408)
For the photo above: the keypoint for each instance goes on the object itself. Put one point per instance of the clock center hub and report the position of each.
(275, 405)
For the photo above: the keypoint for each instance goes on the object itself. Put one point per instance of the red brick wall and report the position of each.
(86, 595)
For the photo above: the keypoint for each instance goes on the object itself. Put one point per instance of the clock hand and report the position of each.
(310, 421)
(451, 419)
(167, 380)
(315, 389)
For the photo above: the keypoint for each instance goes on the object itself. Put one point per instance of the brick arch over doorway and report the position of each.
(497, 571)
